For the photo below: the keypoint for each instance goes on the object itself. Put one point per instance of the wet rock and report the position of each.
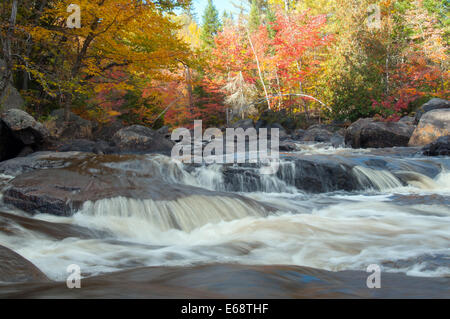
(367, 133)
(320, 175)
(287, 146)
(439, 148)
(313, 174)
(75, 128)
(25, 128)
(140, 139)
(13, 225)
(235, 282)
(62, 192)
(40, 160)
(337, 140)
(434, 104)
(86, 146)
(432, 126)
(16, 269)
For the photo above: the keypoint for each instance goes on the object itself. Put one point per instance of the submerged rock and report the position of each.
(432, 126)
(236, 282)
(14, 225)
(16, 269)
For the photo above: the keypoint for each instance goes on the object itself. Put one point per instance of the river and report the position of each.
(311, 230)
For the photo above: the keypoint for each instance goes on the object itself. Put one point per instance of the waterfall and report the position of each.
(379, 180)
(186, 214)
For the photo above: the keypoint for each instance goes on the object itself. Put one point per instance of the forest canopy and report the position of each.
(156, 63)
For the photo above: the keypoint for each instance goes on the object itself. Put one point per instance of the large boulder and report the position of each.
(298, 135)
(10, 98)
(439, 148)
(20, 134)
(107, 131)
(434, 104)
(367, 133)
(245, 124)
(165, 131)
(317, 134)
(282, 132)
(432, 126)
(64, 191)
(408, 120)
(140, 139)
(75, 128)
(86, 146)
(9, 146)
(353, 133)
(338, 140)
(24, 127)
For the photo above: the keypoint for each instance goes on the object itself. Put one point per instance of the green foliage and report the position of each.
(255, 17)
(211, 25)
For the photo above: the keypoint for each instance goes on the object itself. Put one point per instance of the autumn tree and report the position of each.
(134, 36)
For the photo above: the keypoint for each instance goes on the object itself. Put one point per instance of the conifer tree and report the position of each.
(211, 25)
(254, 20)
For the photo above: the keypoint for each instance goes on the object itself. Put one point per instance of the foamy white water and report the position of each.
(401, 221)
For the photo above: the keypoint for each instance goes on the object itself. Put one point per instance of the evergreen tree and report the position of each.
(254, 20)
(271, 20)
(211, 25)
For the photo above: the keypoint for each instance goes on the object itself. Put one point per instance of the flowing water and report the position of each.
(326, 209)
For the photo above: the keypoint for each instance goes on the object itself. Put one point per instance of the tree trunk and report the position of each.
(189, 89)
(67, 106)
(7, 48)
(259, 70)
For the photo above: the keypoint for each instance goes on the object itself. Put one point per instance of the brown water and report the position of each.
(200, 232)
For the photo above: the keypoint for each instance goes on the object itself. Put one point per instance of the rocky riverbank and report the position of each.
(21, 135)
